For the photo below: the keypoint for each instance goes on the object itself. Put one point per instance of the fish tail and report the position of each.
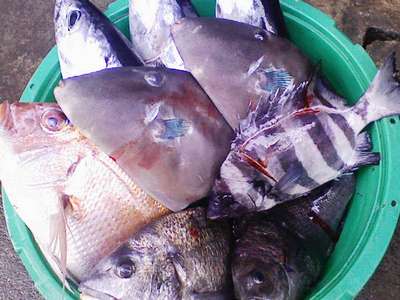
(382, 98)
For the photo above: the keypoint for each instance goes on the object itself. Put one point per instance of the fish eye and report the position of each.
(73, 17)
(125, 269)
(258, 277)
(54, 120)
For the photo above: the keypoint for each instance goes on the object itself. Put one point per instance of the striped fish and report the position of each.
(285, 157)
(266, 14)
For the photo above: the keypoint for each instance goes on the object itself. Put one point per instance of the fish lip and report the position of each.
(85, 290)
(5, 116)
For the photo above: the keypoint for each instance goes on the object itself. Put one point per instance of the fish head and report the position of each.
(259, 278)
(134, 271)
(26, 127)
(81, 41)
(240, 189)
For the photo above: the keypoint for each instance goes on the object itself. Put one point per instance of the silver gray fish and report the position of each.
(280, 155)
(181, 256)
(150, 25)
(266, 14)
(158, 124)
(237, 64)
(279, 255)
(87, 41)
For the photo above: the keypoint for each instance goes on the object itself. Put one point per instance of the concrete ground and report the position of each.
(26, 35)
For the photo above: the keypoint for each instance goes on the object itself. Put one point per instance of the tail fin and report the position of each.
(382, 98)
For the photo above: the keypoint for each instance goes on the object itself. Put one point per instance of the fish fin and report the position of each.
(382, 98)
(276, 79)
(174, 128)
(273, 106)
(274, 20)
(363, 156)
(326, 96)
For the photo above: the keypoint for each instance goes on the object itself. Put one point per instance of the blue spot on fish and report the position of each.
(174, 128)
(276, 79)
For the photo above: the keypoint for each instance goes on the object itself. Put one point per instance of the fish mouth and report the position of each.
(5, 112)
(89, 292)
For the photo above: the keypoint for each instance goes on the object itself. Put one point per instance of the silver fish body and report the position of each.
(280, 254)
(77, 202)
(157, 123)
(150, 27)
(274, 159)
(266, 14)
(237, 64)
(181, 256)
(87, 41)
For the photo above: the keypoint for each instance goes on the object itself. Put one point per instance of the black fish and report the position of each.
(280, 254)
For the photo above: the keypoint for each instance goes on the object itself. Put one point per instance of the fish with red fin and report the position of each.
(238, 64)
(280, 155)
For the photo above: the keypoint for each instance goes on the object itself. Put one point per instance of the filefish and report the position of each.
(87, 41)
(280, 155)
(157, 123)
(181, 256)
(76, 201)
(237, 64)
(266, 14)
(150, 24)
(280, 254)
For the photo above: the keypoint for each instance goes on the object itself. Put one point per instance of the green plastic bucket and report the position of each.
(374, 210)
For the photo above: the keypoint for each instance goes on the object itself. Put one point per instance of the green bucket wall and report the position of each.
(374, 210)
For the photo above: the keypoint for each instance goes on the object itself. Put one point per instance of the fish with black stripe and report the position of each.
(280, 155)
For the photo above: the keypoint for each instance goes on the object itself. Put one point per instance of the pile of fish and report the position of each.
(204, 159)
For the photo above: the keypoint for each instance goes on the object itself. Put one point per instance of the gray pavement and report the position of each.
(26, 35)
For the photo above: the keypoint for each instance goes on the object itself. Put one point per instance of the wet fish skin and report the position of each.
(275, 159)
(266, 14)
(87, 41)
(280, 254)
(257, 64)
(150, 22)
(157, 123)
(76, 201)
(181, 256)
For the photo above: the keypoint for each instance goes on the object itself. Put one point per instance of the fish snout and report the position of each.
(5, 115)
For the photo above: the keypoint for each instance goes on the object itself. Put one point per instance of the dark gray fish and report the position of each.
(158, 124)
(280, 254)
(266, 14)
(238, 64)
(181, 256)
(280, 155)
(87, 41)
(150, 26)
